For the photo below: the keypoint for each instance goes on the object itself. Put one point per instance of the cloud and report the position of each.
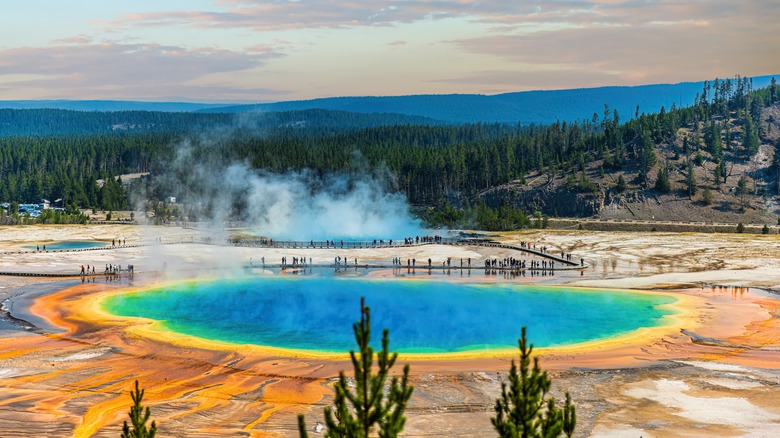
(312, 14)
(668, 43)
(78, 39)
(112, 69)
(481, 46)
(273, 15)
(633, 40)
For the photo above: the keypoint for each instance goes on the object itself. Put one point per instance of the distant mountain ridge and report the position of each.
(109, 105)
(20, 122)
(524, 107)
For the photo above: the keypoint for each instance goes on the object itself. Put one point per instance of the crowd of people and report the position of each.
(508, 263)
(110, 269)
(328, 244)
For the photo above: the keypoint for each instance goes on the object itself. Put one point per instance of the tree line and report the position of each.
(434, 166)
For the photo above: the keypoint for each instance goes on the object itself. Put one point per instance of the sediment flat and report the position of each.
(713, 372)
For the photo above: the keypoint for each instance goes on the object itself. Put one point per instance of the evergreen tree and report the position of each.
(691, 180)
(707, 196)
(777, 163)
(713, 141)
(647, 157)
(621, 185)
(357, 412)
(662, 183)
(742, 191)
(523, 409)
(717, 173)
(138, 417)
(751, 142)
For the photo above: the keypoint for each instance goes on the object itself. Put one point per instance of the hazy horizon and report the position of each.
(228, 102)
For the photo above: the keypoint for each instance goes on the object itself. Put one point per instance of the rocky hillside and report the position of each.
(729, 183)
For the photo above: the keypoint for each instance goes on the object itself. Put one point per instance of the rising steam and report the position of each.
(305, 206)
(295, 205)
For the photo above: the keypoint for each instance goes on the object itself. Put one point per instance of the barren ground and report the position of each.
(714, 375)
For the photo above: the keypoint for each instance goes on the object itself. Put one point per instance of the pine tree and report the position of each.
(523, 409)
(357, 412)
(139, 417)
(751, 143)
(777, 163)
(621, 185)
(713, 140)
(707, 196)
(662, 183)
(717, 173)
(742, 191)
(691, 180)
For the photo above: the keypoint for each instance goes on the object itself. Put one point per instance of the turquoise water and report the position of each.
(422, 316)
(67, 244)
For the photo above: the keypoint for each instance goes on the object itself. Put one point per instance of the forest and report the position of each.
(441, 168)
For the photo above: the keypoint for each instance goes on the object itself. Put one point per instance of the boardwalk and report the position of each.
(559, 262)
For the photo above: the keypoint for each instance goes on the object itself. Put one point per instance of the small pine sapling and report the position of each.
(139, 417)
(523, 409)
(357, 412)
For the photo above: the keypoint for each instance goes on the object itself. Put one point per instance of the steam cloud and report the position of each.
(305, 206)
(295, 205)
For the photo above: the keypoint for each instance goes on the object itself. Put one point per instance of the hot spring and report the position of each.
(424, 316)
(66, 245)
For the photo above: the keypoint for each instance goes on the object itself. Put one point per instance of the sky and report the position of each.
(255, 51)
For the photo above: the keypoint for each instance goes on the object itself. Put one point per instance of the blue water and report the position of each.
(422, 316)
(67, 244)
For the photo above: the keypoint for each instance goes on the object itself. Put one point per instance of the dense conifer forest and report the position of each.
(442, 169)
